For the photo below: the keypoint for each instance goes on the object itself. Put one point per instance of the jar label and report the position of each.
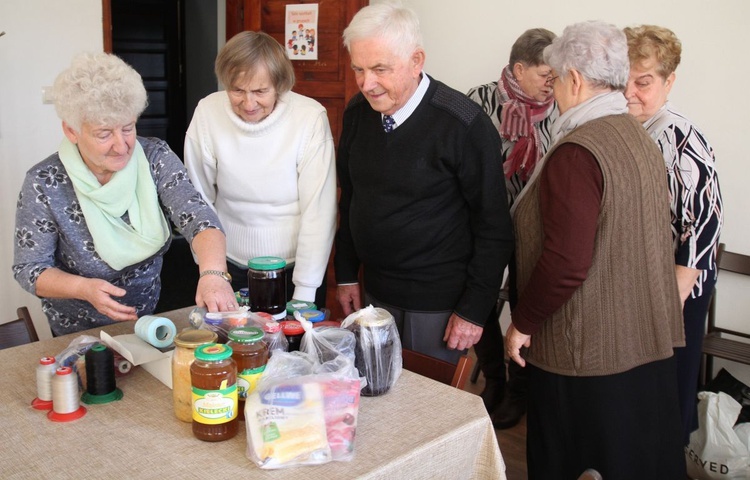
(214, 407)
(247, 380)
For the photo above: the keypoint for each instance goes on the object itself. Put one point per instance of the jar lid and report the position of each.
(313, 315)
(246, 334)
(193, 338)
(212, 318)
(272, 327)
(244, 292)
(213, 352)
(292, 327)
(295, 305)
(266, 263)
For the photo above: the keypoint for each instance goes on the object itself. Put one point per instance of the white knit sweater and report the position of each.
(272, 183)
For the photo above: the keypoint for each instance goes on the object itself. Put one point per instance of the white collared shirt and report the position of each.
(405, 112)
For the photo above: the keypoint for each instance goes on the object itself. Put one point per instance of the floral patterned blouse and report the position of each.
(51, 231)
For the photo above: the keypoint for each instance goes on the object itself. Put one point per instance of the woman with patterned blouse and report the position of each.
(694, 193)
(92, 220)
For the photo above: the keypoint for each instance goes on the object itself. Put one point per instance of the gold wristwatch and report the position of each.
(225, 275)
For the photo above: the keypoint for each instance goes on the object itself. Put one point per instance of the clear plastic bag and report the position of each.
(326, 343)
(223, 322)
(303, 412)
(378, 349)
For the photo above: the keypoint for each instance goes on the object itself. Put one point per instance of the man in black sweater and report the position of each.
(423, 205)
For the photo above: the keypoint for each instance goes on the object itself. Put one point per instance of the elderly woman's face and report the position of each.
(647, 90)
(534, 80)
(104, 149)
(253, 98)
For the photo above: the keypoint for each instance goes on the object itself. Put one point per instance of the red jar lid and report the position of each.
(328, 323)
(292, 327)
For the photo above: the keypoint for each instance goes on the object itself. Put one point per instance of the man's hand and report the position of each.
(349, 297)
(461, 334)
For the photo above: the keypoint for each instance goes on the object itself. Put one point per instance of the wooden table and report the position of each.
(421, 429)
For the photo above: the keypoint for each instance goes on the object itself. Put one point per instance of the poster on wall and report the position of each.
(301, 30)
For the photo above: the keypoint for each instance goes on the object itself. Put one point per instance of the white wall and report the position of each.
(41, 36)
(467, 43)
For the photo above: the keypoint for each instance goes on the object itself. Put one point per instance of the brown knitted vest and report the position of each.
(627, 312)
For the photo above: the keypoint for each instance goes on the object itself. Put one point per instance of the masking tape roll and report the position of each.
(158, 331)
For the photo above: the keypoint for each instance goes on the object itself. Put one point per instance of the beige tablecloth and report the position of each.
(421, 429)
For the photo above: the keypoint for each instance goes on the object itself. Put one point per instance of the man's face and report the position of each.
(387, 80)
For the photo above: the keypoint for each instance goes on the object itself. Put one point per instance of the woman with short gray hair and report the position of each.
(598, 304)
(93, 219)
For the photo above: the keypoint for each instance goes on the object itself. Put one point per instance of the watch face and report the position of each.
(227, 277)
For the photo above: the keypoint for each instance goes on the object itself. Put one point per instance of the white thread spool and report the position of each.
(44, 373)
(66, 405)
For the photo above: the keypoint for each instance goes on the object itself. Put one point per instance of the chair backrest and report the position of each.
(19, 331)
(436, 369)
(730, 262)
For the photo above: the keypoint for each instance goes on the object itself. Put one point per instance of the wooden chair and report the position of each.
(714, 343)
(19, 331)
(436, 369)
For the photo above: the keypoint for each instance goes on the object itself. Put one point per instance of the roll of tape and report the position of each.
(158, 331)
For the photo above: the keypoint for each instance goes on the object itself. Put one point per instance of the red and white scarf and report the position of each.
(519, 114)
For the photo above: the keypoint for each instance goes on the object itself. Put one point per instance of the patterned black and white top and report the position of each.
(487, 96)
(51, 231)
(695, 198)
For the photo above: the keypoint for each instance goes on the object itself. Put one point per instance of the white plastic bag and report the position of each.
(718, 450)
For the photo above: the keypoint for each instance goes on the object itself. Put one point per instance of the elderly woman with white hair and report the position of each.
(93, 219)
(598, 304)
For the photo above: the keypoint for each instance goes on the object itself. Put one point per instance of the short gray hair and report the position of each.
(99, 89)
(598, 50)
(396, 24)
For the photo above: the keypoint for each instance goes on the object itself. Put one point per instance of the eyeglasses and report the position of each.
(551, 80)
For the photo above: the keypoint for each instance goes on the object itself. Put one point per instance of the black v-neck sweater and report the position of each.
(423, 209)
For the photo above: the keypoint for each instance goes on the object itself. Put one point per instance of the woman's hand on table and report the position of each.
(215, 294)
(100, 293)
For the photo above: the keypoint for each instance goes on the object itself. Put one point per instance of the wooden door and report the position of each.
(147, 34)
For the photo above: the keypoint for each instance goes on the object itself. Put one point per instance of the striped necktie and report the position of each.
(388, 123)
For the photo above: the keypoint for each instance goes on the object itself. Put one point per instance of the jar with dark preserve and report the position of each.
(251, 354)
(213, 375)
(374, 351)
(275, 338)
(293, 332)
(184, 354)
(266, 280)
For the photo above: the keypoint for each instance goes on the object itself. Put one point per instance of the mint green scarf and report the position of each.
(130, 190)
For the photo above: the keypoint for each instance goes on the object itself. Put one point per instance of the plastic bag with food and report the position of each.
(303, 412)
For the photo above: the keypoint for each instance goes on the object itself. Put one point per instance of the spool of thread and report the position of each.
(65, 404)
(158, 331)
(100, 376)
(44, 373)
(122, 365)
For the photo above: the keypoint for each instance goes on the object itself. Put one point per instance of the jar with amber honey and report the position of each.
(251, 354)
(183, 356)
(213, 375)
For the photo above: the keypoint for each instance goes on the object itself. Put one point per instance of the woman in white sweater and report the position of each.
(263, 156)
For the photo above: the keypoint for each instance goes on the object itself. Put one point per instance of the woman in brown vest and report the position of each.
(598, 304)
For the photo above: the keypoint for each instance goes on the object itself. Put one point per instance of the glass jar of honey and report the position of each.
(213, 375)
(266, 280)
(183, 356)
(251, 354)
